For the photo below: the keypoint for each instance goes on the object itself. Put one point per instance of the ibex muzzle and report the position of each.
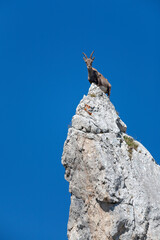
(95, 77)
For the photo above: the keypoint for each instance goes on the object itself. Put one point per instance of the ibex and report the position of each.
(95, 77)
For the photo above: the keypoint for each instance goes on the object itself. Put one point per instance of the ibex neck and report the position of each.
(90, 70)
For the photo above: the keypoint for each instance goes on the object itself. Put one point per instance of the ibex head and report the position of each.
(88, 61)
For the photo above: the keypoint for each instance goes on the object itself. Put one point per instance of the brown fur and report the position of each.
(95, 77)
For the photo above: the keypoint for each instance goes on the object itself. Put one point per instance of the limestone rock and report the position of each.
(113, 180)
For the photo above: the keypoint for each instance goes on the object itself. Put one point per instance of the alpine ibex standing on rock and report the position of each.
(95, 77)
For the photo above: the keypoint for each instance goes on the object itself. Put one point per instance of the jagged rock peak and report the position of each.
(113, 180)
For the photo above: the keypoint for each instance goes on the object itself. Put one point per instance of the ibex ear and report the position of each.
(84, 59)
(93, 58)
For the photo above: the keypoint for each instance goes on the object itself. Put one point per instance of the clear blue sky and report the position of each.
(43, 78)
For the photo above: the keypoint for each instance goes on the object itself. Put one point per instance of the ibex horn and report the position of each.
(91, 54)
(85, 55)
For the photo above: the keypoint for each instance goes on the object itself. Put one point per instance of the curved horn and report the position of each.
(91, 54)
(85, 55)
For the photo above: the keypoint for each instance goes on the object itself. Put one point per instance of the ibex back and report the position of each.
(95, 77)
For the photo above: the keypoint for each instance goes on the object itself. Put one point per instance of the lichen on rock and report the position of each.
(114, 184)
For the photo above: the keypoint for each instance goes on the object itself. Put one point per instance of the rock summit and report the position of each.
(113, 180)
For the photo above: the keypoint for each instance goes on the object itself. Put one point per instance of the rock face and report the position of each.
(113, 180)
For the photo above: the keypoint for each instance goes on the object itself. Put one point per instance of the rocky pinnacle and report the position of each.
(113, 180)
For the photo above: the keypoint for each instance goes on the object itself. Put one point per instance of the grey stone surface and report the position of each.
(115, 190)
